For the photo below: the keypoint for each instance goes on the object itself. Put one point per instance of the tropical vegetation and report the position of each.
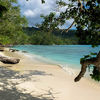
(86, 16)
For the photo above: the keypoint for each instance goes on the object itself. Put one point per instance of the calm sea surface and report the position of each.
(66, 55)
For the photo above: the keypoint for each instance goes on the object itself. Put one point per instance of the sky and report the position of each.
(32, 9)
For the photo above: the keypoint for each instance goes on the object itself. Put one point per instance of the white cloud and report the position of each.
(29, 13)
(32, 9)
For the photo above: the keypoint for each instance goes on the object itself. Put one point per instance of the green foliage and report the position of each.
(91, 55)
(61, 3)
(86, 18)
(44, 38)
(43, 1)
(88, 23)
(95, 74)
(11, 24)
(40, 37)
(85, 58)
(49, 23)
(2, 10)
(5, 40)
(86, 15)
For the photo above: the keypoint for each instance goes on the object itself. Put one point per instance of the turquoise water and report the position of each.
(60, 54)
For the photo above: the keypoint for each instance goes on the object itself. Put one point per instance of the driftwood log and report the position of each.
(9, 60)
(94, 61)
(1, 48)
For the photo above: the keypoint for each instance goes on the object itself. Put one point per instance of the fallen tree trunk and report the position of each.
(94, 61)
(1, 48)
(9, 60)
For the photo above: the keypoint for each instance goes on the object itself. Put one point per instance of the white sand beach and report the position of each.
(35, 80)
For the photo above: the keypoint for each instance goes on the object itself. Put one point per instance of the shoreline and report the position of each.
(43, 80)
(65, 67)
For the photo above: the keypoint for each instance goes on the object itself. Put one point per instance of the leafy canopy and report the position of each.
(86, 16)
(11, 23)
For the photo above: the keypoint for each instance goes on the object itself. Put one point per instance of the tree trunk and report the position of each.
(9, 60)
(94, 61)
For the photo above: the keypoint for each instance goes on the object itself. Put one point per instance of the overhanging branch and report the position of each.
(81, 7)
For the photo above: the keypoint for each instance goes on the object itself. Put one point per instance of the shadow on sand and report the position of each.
(8, 89)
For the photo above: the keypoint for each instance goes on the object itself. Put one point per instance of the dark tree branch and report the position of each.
(94, 61)
(81, 7)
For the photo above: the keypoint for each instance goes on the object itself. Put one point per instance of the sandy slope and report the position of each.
(41, 81)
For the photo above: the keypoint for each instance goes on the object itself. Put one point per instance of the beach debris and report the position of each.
(13, 50)
(9, 60)
(1, 48)
(24, 51)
